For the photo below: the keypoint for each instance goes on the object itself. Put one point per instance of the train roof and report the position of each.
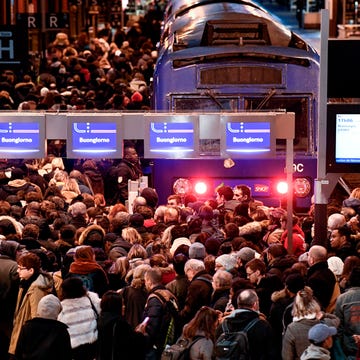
(249, 52)
(207, 23)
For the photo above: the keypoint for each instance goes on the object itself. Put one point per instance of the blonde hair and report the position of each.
(355, 193)
(305, 304)
(131, 235)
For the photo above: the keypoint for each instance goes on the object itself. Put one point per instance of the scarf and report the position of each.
(85, 267)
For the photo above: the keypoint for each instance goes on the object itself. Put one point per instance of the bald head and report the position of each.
(317, 253)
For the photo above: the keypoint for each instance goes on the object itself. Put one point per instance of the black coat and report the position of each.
(43, 339)
(198, 295)
(322, 281)
(260, 335)
(117, 340)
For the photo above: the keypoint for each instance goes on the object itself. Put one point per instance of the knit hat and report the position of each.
(336, 265)
(227, 261)
(177, 242)
(295, 283)
(150, 196)
(136, 97)
(49, 307)
(9, 248)
(246, 254)
(320, 332)
(136, 220)
(212, 245)
(77, 209)
(197, 251)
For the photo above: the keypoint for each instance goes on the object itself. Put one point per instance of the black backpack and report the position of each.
(170, 322)
(234, 345)
(180, 350)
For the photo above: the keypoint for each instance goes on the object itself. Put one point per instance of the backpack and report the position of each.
(170, 321)
(87, 280)
(180, 350)
(234, 345)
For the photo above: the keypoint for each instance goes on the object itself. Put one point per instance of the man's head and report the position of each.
(335, 221)
(224, 193)
(248, 299)
(131, 155)
(242, 193)
(321, 335)
(174, 200)
(255, 270)
(28, 265)
(171, 215)
(317, 253)
(152, 278)
(339, 237)
(192, 267)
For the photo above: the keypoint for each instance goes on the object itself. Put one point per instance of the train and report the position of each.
(232, 57)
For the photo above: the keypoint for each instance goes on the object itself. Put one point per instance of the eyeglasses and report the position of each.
(249, 274)
(22, 268)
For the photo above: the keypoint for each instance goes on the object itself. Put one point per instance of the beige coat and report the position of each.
(27, 310)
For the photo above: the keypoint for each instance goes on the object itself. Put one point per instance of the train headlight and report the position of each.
(302, 187)
(282, 187)
(200, 188)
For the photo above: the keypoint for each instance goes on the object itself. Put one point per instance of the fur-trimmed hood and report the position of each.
(85, 234)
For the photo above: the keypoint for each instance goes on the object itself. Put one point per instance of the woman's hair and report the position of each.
(205, 320)
(305, 303)
(138, 275)
(111, 301)
(84, 253)
(121, 266)
(137, 251)
(131, 235)
(158, 260)
(72, 288)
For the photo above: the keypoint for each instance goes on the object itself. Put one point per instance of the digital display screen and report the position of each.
(248, 137)
(347, 135)
(20, 138)
(171, 137)
(95, 138)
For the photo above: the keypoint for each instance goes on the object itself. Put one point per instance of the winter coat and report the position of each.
(27, 308)
(43, 339)
(219, 299)
(295, 340)
(134, 300)
(313, 352)
(179, 288)
(260, 335)
(298, 240)
(347, 307)
(202, 349)
(117, 340)
(80, 318)
(322, 281)
(198, 295)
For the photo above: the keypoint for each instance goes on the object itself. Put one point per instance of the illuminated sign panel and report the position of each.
(248, 137)
(22, 139)
(172, 137)
(347, 134)
(93, 138)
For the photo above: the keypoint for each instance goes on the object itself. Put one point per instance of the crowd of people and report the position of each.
(82, 278)
(108, 71)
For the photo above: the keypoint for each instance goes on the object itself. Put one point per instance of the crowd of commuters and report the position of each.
(82, 278)
(108, 71)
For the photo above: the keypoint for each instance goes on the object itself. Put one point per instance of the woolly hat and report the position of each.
(197, 251)
(49, 307)
(295, 282)
(212, 245)
(136, 220)
(150, 196)
(9, 248)
(177, 242)
(336, 265)
(320, 332)
(136, 97)
(246, 254)
(227, 261)
(77, 209)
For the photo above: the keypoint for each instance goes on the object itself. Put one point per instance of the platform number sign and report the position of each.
(13, 49)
